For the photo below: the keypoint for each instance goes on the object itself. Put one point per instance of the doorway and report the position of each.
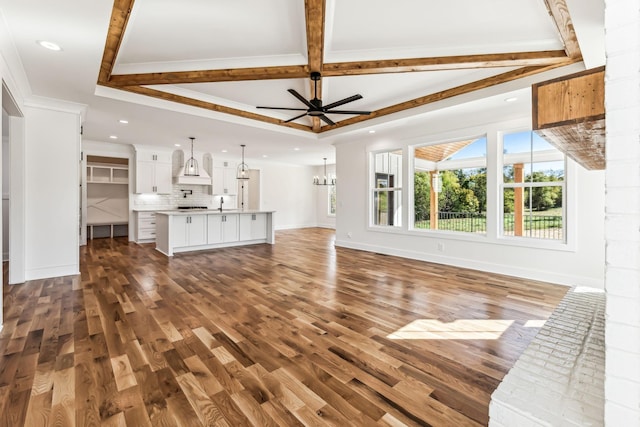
(249, 191)
(5, 185)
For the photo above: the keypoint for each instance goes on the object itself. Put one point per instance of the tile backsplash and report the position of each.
(200, 197)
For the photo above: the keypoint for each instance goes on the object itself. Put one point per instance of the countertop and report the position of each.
(151, 208)
(210, 211)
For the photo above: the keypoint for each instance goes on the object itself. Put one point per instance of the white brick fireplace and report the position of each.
(621, 404)
(622, 223)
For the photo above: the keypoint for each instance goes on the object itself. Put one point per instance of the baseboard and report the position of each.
(45, 273)
(508, 270)
(294, 227)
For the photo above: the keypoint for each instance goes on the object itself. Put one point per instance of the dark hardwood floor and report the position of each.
(299, 333)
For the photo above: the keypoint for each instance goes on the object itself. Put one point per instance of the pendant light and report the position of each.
(191, 167)
(326, 180)
(243, 168)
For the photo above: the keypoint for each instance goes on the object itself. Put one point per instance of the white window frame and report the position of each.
(373, 190)
(460, 164)
(331, 189)
(569, 201)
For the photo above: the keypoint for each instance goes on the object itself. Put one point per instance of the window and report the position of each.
(331, 200)
(533, 197)
(450, 186)
(386, 183)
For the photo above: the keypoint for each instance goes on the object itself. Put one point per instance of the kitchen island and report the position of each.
(195, 230)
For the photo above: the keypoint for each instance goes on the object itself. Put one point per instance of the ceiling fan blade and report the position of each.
(327, 120)
(283, 108)
(347, 112)
(301, 98)
(342, 102)
(295, 118)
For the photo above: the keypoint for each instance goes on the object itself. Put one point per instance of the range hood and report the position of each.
(201, 176)
(202, 179)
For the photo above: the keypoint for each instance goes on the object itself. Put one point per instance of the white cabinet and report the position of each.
(185, 232)
(189, 230)
(153, 171)
(253, 226)
(222, 228)
(145, 226)
(224, 180)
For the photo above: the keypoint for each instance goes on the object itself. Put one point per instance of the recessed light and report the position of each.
(123, 121)
(296, 149)
(177, 145)
(372, 131)
(113, 137)
(512, 99)
(49, 45)
(264, 155)
(224, 151)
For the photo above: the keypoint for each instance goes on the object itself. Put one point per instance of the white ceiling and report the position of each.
(166, 36)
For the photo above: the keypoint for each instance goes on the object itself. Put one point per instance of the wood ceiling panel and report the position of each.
(439, 152)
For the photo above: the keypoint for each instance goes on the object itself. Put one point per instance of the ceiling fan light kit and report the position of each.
(315, 107)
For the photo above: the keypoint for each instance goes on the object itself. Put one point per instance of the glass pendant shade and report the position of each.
(243, 168)
(191, 167)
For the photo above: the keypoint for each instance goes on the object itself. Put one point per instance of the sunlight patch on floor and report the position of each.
(460, 329)
(537, 323)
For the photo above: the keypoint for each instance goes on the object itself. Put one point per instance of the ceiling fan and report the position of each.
(316, 109)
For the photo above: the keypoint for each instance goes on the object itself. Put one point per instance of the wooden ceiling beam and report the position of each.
(211, 76)
(559, 12)
(118, 23)
(449, 93)
(314, 17)
(206, 105)
(493, 60)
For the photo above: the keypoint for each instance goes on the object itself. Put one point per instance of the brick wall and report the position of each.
(622, 223)
(559, 379)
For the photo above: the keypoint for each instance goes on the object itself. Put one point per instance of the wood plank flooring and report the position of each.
(299, 333)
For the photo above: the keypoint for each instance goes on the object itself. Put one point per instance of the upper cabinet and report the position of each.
(153, 170)
(224, 179)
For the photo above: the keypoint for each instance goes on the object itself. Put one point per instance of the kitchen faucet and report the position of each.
(221, 202)
(186, 192)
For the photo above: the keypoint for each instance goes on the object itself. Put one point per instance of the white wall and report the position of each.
(622, 103)
(288, 190)
(581, 265)
(52, 156)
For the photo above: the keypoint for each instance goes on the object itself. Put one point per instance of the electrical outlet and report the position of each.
(440, 247)
(349, 235)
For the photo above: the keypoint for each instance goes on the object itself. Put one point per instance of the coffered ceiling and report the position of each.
(201, 67)
(401, 55)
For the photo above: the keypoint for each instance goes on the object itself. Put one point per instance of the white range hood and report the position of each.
(203, 177)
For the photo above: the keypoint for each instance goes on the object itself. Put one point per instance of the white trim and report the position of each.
(56, 105)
